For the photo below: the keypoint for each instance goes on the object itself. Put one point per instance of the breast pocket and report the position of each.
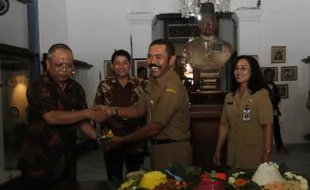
(232, 112)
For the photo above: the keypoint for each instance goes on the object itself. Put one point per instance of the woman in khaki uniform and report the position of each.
(247, 118)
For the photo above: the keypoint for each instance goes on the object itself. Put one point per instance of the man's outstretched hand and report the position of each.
(108, 111)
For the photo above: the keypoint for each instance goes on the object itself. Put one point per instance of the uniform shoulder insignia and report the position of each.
(171, 90)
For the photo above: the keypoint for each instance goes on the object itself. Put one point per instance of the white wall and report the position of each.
(95, 29)
(277, 25)
(14, 25)
(52, 23)
(284, 23)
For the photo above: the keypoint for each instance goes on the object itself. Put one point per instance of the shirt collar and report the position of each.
(47, 78)
(163, 79)
(245, 95)
(130, 79)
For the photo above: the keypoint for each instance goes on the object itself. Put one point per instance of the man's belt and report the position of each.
(166, 141)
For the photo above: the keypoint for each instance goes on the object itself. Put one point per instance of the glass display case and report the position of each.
(14, 75)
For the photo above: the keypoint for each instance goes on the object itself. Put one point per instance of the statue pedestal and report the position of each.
(205, 112)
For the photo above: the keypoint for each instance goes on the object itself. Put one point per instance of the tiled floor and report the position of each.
(91, 164)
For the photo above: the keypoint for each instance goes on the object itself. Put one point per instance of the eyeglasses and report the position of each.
(241, 68)
(60, 66)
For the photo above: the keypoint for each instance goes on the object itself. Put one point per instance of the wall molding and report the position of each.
(22, 1)
(249, 14)
(140, 17)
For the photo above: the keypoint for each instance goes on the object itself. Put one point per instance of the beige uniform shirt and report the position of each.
(166, 101)
(246, 136)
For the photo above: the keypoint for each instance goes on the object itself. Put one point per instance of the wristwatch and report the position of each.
(116, 112)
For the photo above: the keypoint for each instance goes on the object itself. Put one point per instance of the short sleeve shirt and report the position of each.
(167, 103)
(246, 136)
(111, 93)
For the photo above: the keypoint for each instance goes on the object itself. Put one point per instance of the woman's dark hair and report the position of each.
(256, 81)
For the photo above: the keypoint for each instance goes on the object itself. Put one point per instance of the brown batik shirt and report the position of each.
(46, 147)
(111, 93)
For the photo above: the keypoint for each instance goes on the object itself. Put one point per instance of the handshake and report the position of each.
(100, 113)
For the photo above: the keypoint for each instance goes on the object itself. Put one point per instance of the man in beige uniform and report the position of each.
(166, 104)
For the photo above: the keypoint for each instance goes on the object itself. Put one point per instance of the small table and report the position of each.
(82, 185)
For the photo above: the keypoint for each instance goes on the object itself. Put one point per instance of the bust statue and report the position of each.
(207, 54)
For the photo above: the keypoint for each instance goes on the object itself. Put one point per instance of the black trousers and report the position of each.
(69, 174)
(115, 159)
(277, 133)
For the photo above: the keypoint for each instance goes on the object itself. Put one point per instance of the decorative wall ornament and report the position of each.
(12, 82)
(14, 111)
(4, 7)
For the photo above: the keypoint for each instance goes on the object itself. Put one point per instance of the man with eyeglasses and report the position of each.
(57, 108)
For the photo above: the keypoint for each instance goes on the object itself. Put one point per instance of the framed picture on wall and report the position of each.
(289, 73)
(107, 69)
(283, 90)
(278, 54)
(140, 64)
(275, 70)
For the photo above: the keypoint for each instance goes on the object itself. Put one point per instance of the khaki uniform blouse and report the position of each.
(246, 136)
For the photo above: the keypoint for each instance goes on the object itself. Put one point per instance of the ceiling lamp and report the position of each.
(190, 8)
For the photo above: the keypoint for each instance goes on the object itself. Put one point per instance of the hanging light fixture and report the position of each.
(190, 8)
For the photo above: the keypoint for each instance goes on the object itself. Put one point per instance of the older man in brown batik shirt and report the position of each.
(57, 108)
(121, 91)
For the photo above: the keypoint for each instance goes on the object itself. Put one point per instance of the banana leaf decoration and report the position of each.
(190, 174)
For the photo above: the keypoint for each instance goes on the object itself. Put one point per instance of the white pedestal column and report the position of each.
(248, 31)
(141, 31)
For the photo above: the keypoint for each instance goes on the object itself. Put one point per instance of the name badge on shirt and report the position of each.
(229, 103)
(246, 116)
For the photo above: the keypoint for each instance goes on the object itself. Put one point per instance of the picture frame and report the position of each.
(278, 54)
(107, 69)
(289, 73)
(276, 78)
(283, 90)
(140, 62)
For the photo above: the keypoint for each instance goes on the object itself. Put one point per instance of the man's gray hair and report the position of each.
(54, 47)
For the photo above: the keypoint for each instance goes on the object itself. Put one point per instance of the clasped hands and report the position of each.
(101, 113)
(107, 112)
